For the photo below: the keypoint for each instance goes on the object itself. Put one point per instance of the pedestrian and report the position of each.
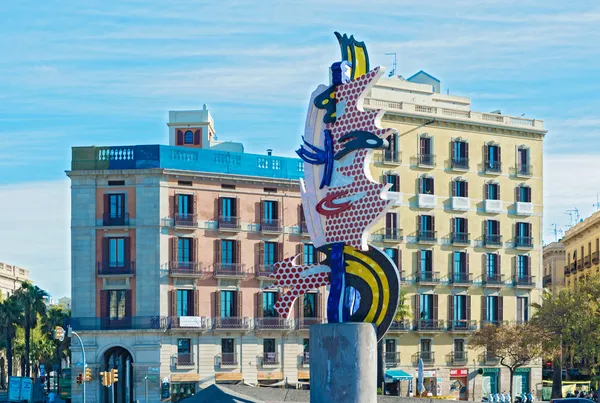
(51, 397)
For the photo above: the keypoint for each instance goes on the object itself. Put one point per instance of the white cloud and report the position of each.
(34, 232)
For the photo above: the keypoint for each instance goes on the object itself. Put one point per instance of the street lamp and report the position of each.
(71, 332)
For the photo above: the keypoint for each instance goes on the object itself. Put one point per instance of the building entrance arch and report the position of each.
(122, 391)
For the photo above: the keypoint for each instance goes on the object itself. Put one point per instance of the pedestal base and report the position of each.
(343, 363)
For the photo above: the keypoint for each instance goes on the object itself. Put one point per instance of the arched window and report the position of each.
(188, 137)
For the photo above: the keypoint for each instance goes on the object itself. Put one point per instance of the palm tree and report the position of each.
(57, 316)
(10, 316)
(402, 310)
(33, 302)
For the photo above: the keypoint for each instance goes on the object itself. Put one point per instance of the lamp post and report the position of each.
(69, 333)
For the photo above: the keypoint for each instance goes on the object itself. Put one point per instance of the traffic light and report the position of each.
(88, 374)
(106, 378)
(114, 376)
(79, 379)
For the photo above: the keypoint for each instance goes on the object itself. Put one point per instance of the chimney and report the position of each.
(269, 151)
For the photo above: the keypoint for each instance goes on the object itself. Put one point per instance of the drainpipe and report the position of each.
(241, 355)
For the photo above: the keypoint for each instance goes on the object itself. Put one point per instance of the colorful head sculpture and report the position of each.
(341, 200)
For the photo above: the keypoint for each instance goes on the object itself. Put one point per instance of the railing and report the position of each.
(595, 259)
(548, 279)
(270, 225)
(493, 279)
(226, 359)
(185, 268)
(304, 228)
(229, 222)
(428, 277)
(426, 160)
(229, 270)
(270, 358)
(400, 325)
(185, 220)
(390, 234)
(458, 357)
(272, 323)
(392, 358)
(231, 323)
(492, 322)
(523, 170)
(264, 270)
(188, 322)
(306, 323)
(492, 167)
(587, 261)
(426, 236)
(523, 242)
(462, 325)
(492, 240)
(429, 324)
(461, 278)
(108, 269)
(305, 358)
(460, 238)
(109, 220)
(567, 270)
(488, 358)
(573, 267)
(428, 357)
(183, 360)
(459, 163)
(523, 281)
(388, 157)
(123, 323)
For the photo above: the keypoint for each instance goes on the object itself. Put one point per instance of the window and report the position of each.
(306, 345)
(185, 183)
(523, 161)
(426, 151)
(460, 229)
(116, 205)
(492, 266)
(309, 254)
(184, 250)
(459, 310)
(492, 191)
(426, 223)
(269, 345)
(426, 353)
(116, 183)
(227, 256)
(228, 207)
(270, 210)
(391, 152)
(426, 185)
(425, 261)
(227, 346)
(116, 252)
(184, 351)
(492, 228)
(523, 233)
(188, 137)
(116, 304)
(459, 346)
(460, 188)
(270, 253)
(427, 307)
(185, 303)
(522, 309)
(390, 345)
(269, 351)
(269, 304)
(492, 310)
(460, 266)
(393, 254)
(227, 304)
(185, 205)
(523, 194)
(460, 154)
(391, 221)
(492, 158)
(310, 310)
(394, 180)
(523, 267)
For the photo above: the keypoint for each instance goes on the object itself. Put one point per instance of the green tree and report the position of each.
(10, 316)
(402, 310)
(513, 345)
(57, 316)
(33, 302)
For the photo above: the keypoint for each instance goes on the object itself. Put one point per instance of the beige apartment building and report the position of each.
(581, 246)
(11, 278)
(555, 268)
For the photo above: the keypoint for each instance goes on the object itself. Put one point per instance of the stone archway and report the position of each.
(120, 358)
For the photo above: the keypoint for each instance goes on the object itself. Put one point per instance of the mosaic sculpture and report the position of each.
(342, 202)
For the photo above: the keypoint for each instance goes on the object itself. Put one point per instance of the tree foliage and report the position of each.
(402, 310)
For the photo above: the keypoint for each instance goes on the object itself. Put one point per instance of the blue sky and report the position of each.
(106, 72)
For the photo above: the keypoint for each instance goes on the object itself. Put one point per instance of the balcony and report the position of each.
(394, 197)
(392, 359)
(231, 323)
(489, 359)
(305, 358)
(523, 208)
(429, 325)
(400, 326)
(460, 203)
(587, 261)
(580, 264)
(304, 229)
(188, 322)
(496, 280)
(428, 277)
(229, 223)
(226, 360)
(493, 206)
(460, 238)
(427, 236)
(306, 323)
(567, 270)
(270, 359)
(492, 167)
(492, 241)
(392, 235)
(123, 323)
(573, 268)
(183, 360)
(426, 201)
(272, 324)
(426, 161)
(459, 164)
(493, 323)
(547, 281)
(523, 242)
(109, 220)
(458, 358)
(461, 279)
(185, 269)
(523, 170)
(229, 270)
(185, 220)
(270, 225)
(462, 325)
(111, 269)
(524, 281)
(428, 357)
(388, 158)
(265, 271)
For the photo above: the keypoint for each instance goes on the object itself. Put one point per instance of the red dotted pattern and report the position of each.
(288, 276)
(349, 225)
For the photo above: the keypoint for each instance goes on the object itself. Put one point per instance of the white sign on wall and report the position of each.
(190, 321)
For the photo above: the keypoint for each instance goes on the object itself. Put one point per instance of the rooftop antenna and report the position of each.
(572, 212)
(555, 230)
(393, 70)
(597, 205)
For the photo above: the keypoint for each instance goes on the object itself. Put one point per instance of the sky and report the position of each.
(107, 72)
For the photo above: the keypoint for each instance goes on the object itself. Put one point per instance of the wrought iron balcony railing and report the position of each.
(270, 225)
(232, 270)
(191, 269)
(492, 167)
(272, 324)
(459, 163)
(460, 238)
(116, 268)
(492, 240)
(392, 358)
(226, 360)
(185, 220)
(229, 223)
(110, 220)
(426, 160)
(231, 323)
(429, 325)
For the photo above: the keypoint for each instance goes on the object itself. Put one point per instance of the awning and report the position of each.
(397, 375)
